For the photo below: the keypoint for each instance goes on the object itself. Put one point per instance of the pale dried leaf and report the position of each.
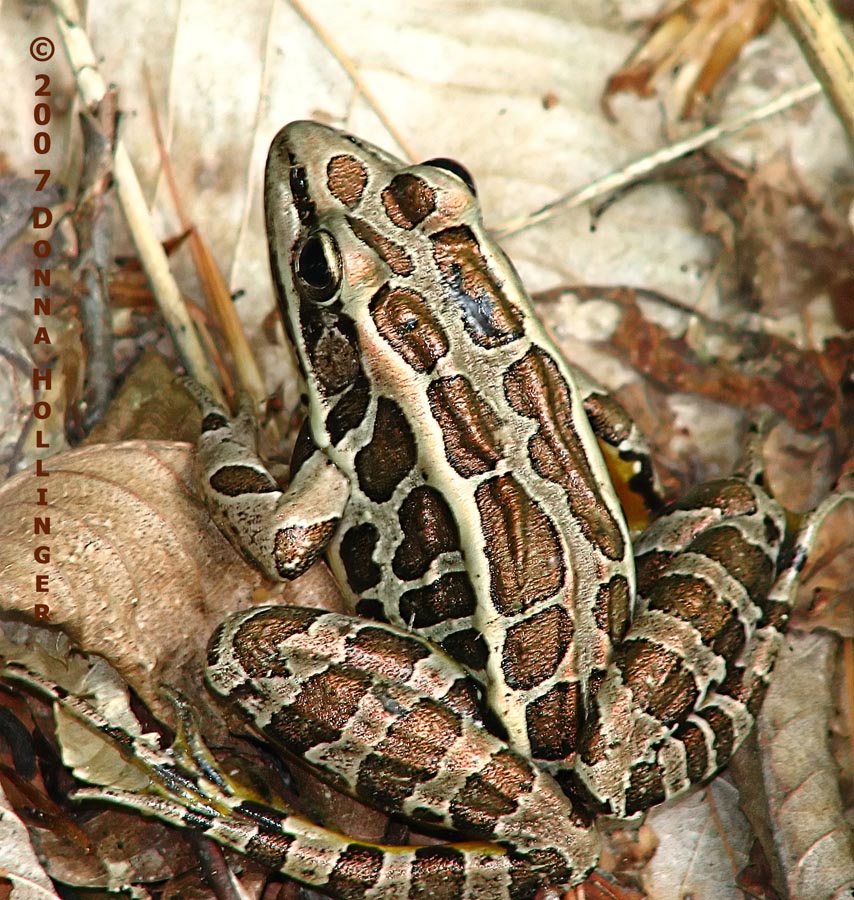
(467, 83)
(50, 654)
(812, 839)
(138, 572)
(704, 842)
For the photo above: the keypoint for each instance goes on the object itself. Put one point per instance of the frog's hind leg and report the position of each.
(716, 578)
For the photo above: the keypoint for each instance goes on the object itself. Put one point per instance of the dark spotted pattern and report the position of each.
(349, 412)
(357, 869)
(371, 608)
(346, 178)
(491, 793)
(613, 608)
(560, 704)
(379, 651)
(213, 421)
(535, 388)
(694, 739)
(535, 647)
(428, 529)
(406, 322)
(748, 563)
(298, 547)
(300, 194)
(522, 546)
(232, 481)
(442, 872)
(304, 448)
(489, 316)
(258, 644)
(721, 724)
(270, 849)
(389, 456)
(626, 456)
(646, 784)
(357, 555)
(408, 200)
(321, 710)
(698, 602)
(410, 755)
(375, 709)
(468, 647)
(470, 427)
(332, 348)
(731, 496)
(447, 598)
(390, 252)
(661, 684)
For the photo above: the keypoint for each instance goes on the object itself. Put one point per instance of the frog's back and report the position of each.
(478, 511)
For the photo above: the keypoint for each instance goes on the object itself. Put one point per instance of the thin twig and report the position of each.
(213, 283)
(349, 67)
(828, 52)
(91, 88)
(615, 181)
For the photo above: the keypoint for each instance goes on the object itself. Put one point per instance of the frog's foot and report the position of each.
(186, 772)
(188, 789)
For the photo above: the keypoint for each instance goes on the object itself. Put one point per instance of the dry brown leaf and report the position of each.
(811, 837)
(139, 573)
(794, 248)
(19, 866)
(703, 846)
(826, 597)
(664, 360)
(692, 45)
(124, 848)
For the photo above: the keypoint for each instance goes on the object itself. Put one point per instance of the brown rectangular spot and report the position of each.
(449, 597)
(468, 424)
(535, 388)
(405, 321)
(535, 647)
(346, 178)
(488, 315)
(389, 456)
(429, 529)
(552, 721)
(522, 546)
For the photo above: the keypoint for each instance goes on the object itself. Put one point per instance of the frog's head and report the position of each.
(364, 248)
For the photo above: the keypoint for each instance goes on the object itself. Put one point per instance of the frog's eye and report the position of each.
(455, 168)
(318, 267)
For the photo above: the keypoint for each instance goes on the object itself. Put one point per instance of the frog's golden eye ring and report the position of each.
(455, 168)
(317, 271)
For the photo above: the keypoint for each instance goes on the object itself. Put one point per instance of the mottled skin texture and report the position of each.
(529, 666)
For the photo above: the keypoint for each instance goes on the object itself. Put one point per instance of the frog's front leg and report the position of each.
(283, 532)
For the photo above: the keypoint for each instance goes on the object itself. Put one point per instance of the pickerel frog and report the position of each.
(515, 664)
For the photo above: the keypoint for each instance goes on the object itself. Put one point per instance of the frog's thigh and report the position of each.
(688, 678)
(382, 714)
(624, 449)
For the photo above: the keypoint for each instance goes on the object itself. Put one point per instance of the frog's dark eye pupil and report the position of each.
(318, 267)
(455, 168)
(313, 268)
